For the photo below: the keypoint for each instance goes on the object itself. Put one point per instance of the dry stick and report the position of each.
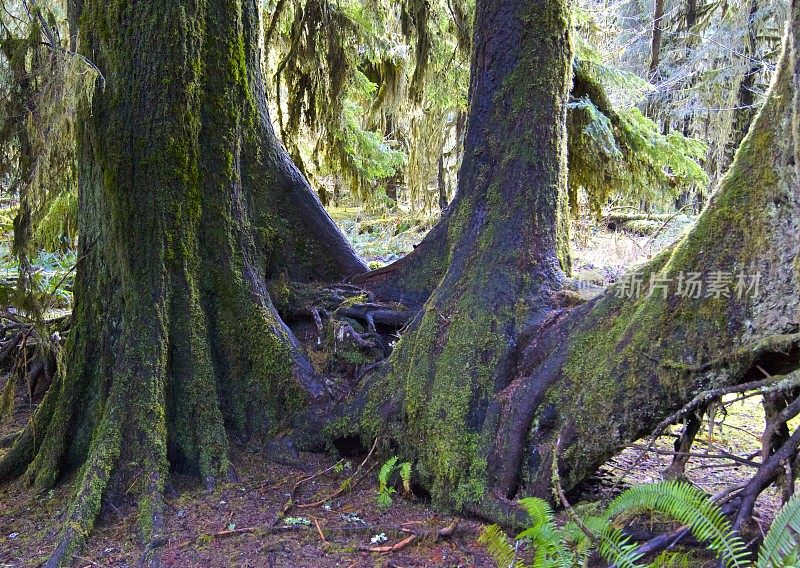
(290, 501)
(392, 548)
(790, 411)
(696, 402)
(351, 481)
(319, 530)
(442, 533)
(764, 477)
(720, 456)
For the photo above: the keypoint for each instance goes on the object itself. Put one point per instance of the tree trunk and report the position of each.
(499, 374)
(500, 249)
(745, 109)
(656, 39)
(529, 123)
(187, 206)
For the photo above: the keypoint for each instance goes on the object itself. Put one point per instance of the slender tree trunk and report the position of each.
(657, 38)
(187, 206)
(441, 183)
(745, 100)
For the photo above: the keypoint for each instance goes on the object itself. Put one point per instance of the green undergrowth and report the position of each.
(381, 237)
(53, 275)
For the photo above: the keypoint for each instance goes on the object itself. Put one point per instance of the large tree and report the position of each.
(189, 207)
(501, 369)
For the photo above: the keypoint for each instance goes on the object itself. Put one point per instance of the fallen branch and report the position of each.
(234, 532)
(393, 548)
(319, 530)
(347, 484)
(442, 533)
(720, 456)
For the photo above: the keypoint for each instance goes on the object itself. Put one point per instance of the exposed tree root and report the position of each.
(683, 445)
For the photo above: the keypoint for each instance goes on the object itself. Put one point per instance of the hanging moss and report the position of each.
(618, 152)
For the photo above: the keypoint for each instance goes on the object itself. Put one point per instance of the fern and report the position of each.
(618, 548)
(499, 547)
(385, 491)
(691, 507)
(567, 547)
(547, 539)
(670, 559)
(386, 470)
(405, 476)
(781, 545)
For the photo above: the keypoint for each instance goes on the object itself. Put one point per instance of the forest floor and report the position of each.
(242, 523)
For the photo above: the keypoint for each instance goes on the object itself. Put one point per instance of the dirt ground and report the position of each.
(237, 524)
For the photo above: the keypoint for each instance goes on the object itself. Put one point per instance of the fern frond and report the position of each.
(386, 471)
(545, 536)
(405, 476)
(618, 548)
(670, 559)
(691, 507)
(499, 547)
(783, 538)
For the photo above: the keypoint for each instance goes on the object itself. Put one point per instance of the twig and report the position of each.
(290, 501)
(720, 456)
(350, 482)
(392, 548)
(702, 398)
(319, 530)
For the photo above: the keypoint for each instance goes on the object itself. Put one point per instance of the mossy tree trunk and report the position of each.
(501, 247)
(514, 155)
(187, 206)
(499, 373)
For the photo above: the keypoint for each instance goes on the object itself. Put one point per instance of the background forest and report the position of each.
(370, 99)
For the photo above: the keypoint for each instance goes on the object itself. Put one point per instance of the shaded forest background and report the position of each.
(370, 99)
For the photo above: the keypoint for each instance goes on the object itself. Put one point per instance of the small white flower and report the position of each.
(379, 539)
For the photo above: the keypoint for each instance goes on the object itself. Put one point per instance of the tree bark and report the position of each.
(500, 243)
(188, 205)
(656, 38)
(500, 375)
(531, 131)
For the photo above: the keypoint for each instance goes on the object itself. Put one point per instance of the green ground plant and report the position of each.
(569, 546)
(385, 489)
